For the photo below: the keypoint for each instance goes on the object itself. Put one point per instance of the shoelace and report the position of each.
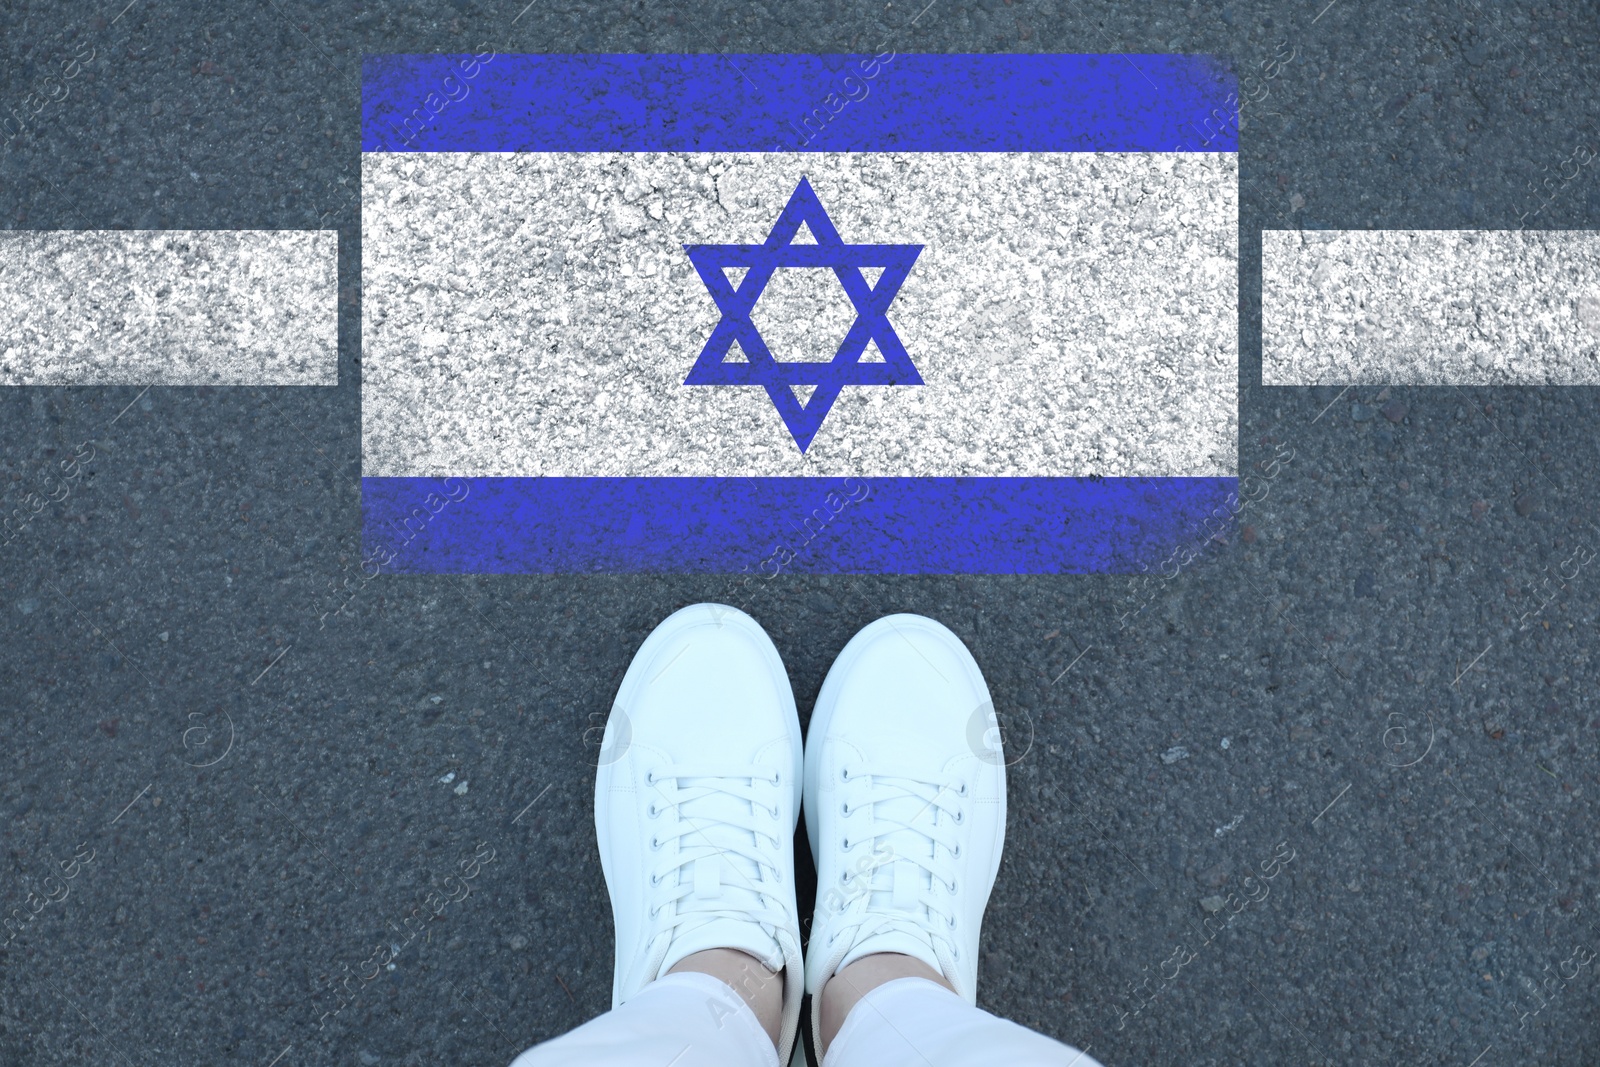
(713, 836)
(914, 821)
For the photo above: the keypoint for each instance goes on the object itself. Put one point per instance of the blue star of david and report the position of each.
(871, 325)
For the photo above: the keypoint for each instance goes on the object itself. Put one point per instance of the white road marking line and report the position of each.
(1430, 307)
(169, 307)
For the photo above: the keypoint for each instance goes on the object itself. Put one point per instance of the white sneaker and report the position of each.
(696, 801)
(905, 802)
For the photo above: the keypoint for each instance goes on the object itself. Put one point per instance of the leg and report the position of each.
(696, 800)
(759, 987)
(687, 1019)
(845, 989)
(913, 1022)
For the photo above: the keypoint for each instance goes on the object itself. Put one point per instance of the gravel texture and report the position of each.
(201, 691)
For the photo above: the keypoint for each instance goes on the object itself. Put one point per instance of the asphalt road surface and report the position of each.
(1379, 685)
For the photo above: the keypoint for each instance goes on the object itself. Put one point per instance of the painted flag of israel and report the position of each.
(894, 313)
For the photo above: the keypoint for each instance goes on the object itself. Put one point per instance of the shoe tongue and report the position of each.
(703, 818)
(723, 881)
(896, 887)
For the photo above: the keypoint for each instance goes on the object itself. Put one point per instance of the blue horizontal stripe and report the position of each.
(771, 525)
(789, 103)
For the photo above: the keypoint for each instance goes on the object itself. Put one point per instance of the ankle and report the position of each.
(760, 988)
(841, 993)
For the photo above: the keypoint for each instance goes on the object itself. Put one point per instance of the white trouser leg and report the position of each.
(685, 1019)
(912, 1022)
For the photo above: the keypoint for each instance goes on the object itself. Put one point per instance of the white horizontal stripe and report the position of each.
(536, 314)
(169, 307)
(1430, 307)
